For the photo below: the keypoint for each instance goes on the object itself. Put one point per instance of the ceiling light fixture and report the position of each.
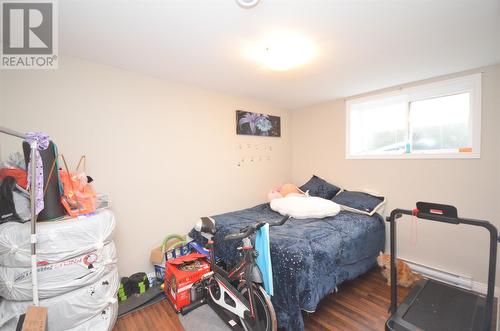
(247, 3)
(282, 51)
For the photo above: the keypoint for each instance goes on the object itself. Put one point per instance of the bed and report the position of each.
(310, 257)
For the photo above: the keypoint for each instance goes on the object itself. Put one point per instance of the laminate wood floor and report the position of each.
(360, 305)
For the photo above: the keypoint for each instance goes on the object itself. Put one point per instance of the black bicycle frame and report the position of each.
(444, 214)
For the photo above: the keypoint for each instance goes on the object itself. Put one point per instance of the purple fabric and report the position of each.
(42, 140)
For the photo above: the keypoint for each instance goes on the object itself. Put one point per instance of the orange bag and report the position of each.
(78, 197)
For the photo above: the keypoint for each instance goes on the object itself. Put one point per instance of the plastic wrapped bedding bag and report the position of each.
(104, 321)
(68, 311)
(57, 241)
(58, 278)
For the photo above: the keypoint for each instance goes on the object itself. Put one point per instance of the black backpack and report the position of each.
(13, 202)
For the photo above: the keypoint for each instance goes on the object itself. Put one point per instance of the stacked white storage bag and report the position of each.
(77, 273)
(103, 321)
(58, 278)
(71, 309)
(56, 241)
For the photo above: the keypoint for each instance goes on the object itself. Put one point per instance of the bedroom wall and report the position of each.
(166, 153)
(473, 185)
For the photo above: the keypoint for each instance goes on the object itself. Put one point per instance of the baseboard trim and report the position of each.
(465, 282)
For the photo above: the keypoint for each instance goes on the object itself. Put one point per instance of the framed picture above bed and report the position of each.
(255, 124)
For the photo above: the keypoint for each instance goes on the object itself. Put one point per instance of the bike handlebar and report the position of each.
(283, 221)
(247, 231)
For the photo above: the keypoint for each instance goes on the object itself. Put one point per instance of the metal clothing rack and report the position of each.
(33, 146)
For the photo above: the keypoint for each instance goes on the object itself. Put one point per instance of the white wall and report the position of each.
(166, 153)
(318, 146)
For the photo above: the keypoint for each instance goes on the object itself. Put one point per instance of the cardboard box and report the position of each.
(36, 319)
(156, 256)
(178, 282)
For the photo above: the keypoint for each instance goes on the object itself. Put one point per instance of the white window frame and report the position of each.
(465, 84)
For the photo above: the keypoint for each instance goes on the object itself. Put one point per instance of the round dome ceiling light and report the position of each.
(282, 51)
(247, 3)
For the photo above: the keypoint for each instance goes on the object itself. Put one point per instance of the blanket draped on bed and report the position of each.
(309, 257)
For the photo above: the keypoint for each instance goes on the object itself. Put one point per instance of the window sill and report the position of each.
(415, 156)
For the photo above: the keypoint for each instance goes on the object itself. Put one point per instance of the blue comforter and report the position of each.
(310, 257)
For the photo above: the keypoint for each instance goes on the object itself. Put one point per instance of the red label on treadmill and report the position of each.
(436, 211)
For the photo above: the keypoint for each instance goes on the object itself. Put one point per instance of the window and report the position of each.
(435, 120)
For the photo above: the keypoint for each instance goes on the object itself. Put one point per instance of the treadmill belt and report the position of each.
(440, 307)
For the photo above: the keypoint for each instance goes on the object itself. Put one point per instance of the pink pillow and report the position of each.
(274, 194)
(289, 188)
(285, 190)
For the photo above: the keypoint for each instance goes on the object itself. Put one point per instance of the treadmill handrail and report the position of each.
(440, 218)
(494, 240)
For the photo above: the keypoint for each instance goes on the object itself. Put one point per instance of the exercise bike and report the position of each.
(236, 294)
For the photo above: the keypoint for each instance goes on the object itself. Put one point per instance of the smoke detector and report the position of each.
(247, 3)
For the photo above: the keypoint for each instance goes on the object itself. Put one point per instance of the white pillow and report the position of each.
(302, 207)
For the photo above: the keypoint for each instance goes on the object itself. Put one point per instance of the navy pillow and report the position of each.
(318, 187)
(359, 202)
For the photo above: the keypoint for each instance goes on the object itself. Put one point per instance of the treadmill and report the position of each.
(433, 305)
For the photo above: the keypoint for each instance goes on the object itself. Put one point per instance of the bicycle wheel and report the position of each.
(265, 311)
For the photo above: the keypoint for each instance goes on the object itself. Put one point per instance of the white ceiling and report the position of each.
(363, 44)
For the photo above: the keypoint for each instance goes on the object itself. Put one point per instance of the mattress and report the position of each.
(58, 278)
(57, 240)
(310, 257)
(70, 311)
